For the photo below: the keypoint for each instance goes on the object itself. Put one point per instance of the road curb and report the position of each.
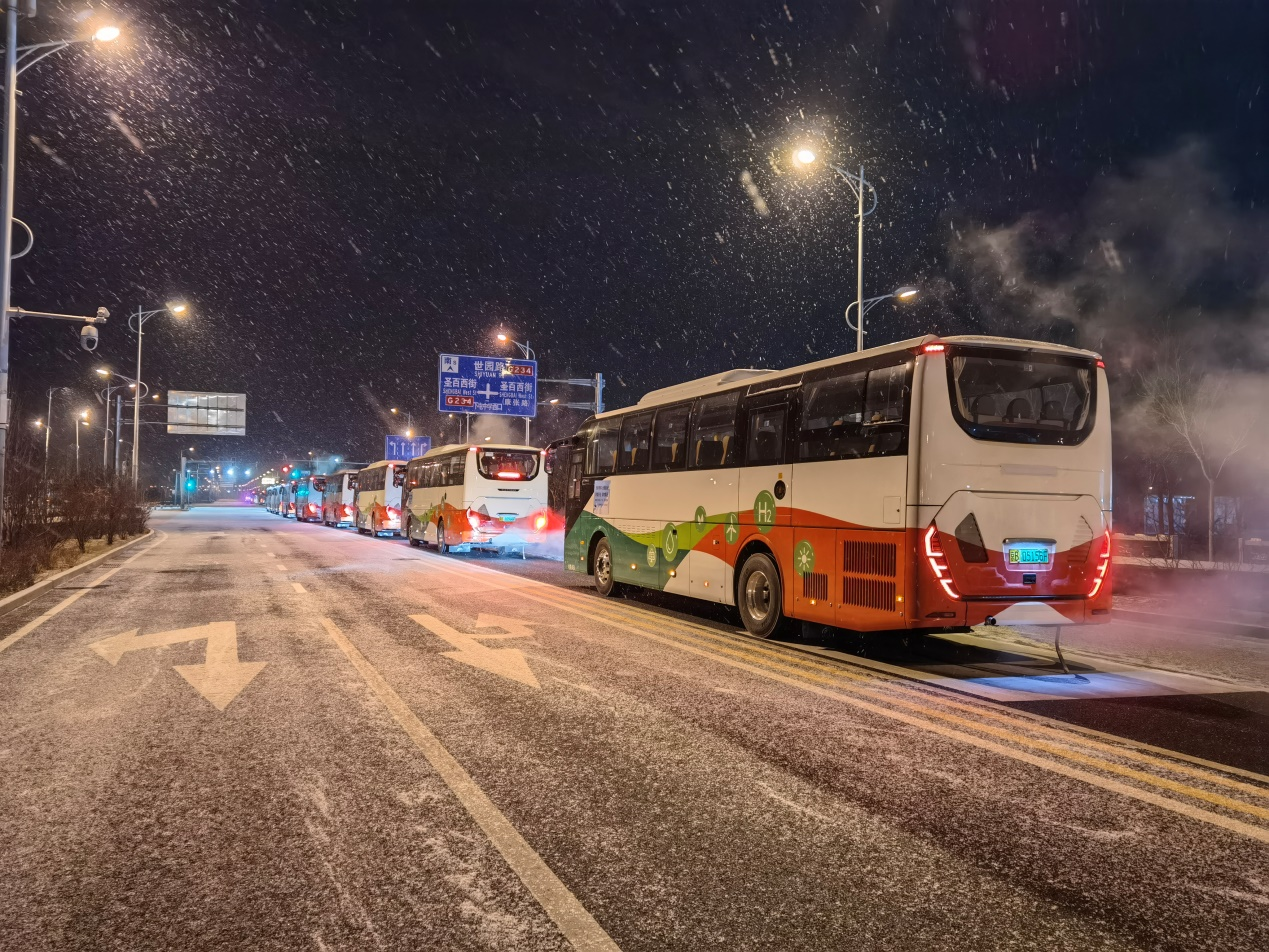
(32, 592)
(1178, 623)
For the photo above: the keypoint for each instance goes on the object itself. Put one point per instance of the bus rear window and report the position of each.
(509, 465)
(1012, 396)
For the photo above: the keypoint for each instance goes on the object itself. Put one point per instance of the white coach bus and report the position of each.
(934, 483)
(339, 500)
(463, 497)
(379, 497)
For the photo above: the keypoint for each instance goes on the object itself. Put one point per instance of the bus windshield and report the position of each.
(508, 464)
(1015, 396)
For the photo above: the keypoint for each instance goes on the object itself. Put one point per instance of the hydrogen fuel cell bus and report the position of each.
(490, 497)
(307, 493)
(379, 497)
(339, 500)
(930, 484)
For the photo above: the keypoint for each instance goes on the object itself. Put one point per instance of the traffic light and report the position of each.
(191, 484)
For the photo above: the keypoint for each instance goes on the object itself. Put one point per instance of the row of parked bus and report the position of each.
(455, 498)
(929, 484)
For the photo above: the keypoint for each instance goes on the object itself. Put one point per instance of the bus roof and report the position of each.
(461, 447)
(734, 379)
(382, 462)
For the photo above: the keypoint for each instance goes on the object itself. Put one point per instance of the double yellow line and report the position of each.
(1119, 768)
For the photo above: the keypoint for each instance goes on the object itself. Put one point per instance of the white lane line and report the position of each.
(577, 925)
(268, 553)
(280, 567)
(298, 587)
(72, 599)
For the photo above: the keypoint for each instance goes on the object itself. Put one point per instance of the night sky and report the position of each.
(343, 190)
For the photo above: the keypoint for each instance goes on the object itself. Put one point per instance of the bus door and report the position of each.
(766, 484)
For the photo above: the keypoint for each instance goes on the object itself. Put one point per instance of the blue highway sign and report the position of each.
(494, 385)
(404, 447)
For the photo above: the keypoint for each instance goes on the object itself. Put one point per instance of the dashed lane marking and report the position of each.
(72, 599)
(280, 567)
(578, 926)
(298, 587)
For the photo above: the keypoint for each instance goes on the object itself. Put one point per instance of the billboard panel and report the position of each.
(494, 385)
(207, 414)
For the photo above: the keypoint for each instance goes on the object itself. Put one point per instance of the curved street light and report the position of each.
(17, 59)
(905, 293)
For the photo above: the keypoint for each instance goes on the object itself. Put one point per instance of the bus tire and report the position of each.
(409, 532)
(759, 596)
(442, 544)
(605, 584)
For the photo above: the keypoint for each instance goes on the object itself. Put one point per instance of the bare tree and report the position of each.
(1206, 416)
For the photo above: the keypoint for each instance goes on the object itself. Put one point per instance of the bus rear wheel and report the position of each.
(442, 544)
(759, 596)
(605, 584)
(409, 532)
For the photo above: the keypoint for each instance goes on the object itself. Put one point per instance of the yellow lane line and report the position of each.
(760, 660)
(577, 925)
(1096, 780)
(941, 696)
(833, 678)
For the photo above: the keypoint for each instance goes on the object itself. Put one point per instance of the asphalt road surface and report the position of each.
(250, 734)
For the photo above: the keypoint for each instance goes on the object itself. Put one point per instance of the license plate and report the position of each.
(508, 517)
(1033, 556)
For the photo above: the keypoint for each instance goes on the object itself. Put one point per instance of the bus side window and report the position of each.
(887, 395)
(601, 451)
(765, 445)
(832, 417)
(669, 444)
(713, 441)
(636, 433)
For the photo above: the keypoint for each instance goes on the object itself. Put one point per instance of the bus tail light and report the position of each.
(312, 508)
(938, 561)
(473, 520)
(394, 516)
(1103, 564)
(509, 474)
(539, 523)
(348, 511)
(934, 348)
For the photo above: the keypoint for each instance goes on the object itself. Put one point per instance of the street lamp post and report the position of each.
(858, 184)
(176, 309)
(16, 59)
(527, 351)
(899, 294)
(82, 421)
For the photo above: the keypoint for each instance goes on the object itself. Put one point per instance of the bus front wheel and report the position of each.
(409, 532)
(759, 596)
(605, 584)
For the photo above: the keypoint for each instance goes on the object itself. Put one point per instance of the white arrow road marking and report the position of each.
(220, 678)
(505, 662)
(578, 926)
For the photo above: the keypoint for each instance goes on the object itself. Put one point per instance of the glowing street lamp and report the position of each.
(805, 158)
(177, 309)
(16, 60)
(527, 351)
(903, 294)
